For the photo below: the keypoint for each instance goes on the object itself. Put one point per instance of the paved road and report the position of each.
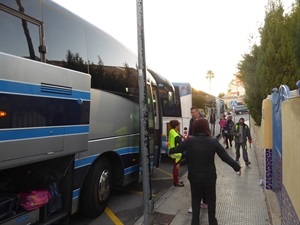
(240, 199)
(126, 204)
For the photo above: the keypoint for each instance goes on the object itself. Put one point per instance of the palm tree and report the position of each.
(209, 76)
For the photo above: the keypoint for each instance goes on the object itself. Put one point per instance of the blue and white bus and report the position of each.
(176, 105)
(212, 107)
(69, 105)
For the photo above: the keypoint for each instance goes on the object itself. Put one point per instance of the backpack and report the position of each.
(34, 199)
(43, 186)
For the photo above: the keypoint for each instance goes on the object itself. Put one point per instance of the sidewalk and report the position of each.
(240, 200)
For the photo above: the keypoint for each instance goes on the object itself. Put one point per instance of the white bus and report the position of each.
(176, 105)
(69, 106)
(213, 108)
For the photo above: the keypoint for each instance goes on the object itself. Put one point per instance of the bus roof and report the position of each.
(160, 80)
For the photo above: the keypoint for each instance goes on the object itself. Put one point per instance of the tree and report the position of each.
(252, 83)
(221, 95)
(76, 62)
(276, 60)
(293, 27)
(210, 75)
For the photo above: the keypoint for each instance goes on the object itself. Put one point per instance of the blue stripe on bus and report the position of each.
(35, 89)
(90, 159)
(76, 129)
(131, 169)
(29, 133)
(127, 171)
(128, 150)
(85, 161)
(76, 193)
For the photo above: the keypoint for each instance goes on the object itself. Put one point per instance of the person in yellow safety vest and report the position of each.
(174, 139)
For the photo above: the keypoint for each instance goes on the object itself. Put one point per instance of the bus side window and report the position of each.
(19, 37)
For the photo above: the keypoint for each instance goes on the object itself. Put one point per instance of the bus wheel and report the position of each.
(96, 189)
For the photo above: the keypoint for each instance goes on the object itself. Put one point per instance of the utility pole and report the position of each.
(144, 138)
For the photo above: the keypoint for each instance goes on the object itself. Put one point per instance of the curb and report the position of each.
(160, 201)
(273, 207)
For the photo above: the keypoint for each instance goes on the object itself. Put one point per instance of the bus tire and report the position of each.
(96, 189)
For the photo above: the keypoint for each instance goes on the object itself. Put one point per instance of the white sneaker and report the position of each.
(190, 210)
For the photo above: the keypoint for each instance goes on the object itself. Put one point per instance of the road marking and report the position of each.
(113, 217)
(165, 172)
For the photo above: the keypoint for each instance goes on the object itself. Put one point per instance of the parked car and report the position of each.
(240, 109)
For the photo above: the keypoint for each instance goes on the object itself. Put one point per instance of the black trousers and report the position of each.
(229, 139)
(197, 192)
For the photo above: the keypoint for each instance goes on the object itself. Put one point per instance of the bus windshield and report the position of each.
(171, 106)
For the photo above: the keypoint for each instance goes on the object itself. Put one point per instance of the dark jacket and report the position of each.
(246, 133)
(229, 127)
(191, 126)
(200, 157)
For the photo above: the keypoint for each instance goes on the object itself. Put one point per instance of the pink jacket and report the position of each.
(222, 123)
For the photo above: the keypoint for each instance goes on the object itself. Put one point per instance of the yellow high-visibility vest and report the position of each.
(172, 135)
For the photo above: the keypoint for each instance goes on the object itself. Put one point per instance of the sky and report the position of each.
(184, 39)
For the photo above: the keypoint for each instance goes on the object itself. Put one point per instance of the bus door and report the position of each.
(162, 86)
(151, 125)
(158, 125)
